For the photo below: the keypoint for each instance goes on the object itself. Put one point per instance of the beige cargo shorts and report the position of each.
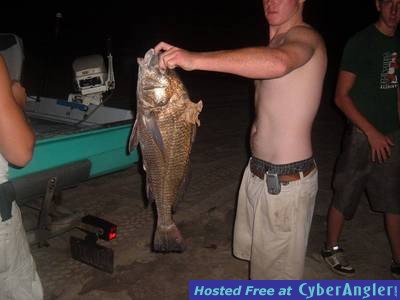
(271, 231)
(18, 277)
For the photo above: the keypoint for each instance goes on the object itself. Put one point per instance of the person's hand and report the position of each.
(19, 94)
(171, 57)
(380, 146)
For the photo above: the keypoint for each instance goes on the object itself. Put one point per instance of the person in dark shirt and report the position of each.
(368, 94)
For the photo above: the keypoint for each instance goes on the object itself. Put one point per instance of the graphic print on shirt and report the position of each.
(388, 75)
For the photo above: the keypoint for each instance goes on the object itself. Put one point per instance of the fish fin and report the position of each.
(149, 193)
(199, 108)
(182, 187)
(194, 132)
(133, 140)
(152, 127)
(191, 112)
(168, 239)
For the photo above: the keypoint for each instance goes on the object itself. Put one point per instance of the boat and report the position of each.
(77, 139)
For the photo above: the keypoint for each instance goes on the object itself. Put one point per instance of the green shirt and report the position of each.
(373, 58)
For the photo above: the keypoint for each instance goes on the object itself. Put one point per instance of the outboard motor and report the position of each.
(92, 79)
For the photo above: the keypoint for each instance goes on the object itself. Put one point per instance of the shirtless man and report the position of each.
(279, 185)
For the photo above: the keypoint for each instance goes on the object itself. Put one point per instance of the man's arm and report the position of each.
(380, 144)
(257, 62)
(16, 136)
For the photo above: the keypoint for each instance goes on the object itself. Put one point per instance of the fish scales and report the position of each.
(165, 127)
(166, 170)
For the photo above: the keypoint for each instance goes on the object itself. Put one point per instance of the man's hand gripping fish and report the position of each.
(165, 128)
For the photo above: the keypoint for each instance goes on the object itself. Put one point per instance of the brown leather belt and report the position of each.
(259, 168)
(295, 176)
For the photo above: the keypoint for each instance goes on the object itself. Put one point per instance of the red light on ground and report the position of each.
(112, 234)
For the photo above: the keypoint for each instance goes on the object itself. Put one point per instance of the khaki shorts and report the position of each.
(271, 231)
(18, 277)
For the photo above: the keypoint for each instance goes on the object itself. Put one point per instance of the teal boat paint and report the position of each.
(106, 148)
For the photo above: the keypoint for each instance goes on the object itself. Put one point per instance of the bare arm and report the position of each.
(380, 144)
(16, 136)
(257, 62)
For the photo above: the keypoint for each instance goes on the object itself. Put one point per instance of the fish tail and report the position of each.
(168, 239)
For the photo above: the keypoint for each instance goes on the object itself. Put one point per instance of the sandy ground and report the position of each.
(206, 214)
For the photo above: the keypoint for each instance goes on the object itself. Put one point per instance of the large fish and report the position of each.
(165, 128)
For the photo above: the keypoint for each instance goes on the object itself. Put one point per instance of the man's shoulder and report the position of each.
(306, 34)
(360, 41)
(304, 31)
(364, 34)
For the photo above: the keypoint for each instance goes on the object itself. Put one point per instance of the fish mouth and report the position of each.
(149, 88)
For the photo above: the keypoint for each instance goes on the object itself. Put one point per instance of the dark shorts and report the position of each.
(356, 173)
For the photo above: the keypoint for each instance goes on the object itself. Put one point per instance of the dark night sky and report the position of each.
(195, 25)
(140, 23)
